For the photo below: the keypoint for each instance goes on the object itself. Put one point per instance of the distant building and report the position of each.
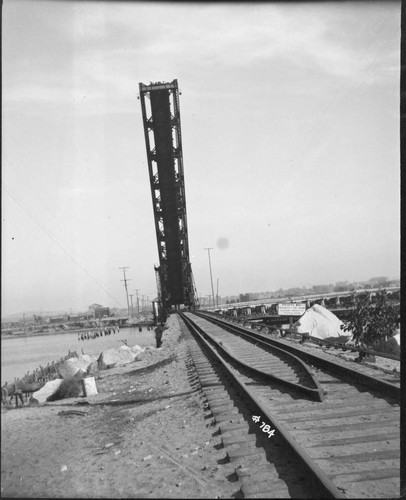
(245, 297)
(93, 307)
(58, 319)
(79, 317)
(102, 312)
(115, 311)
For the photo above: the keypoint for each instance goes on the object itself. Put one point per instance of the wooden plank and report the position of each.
(314, 413)
(370, 447)
(367, 475)
(363, 457)
(331, 419)
(357, 439)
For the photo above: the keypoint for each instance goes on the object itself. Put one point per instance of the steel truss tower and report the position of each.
(161, 118)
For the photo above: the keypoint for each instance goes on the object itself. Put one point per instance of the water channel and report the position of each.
(19, 355)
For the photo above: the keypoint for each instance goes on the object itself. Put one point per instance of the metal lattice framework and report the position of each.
(161, 119)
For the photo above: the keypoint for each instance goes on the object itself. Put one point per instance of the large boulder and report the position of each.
(115, 356)
(88, 362)
(48, 390)
(319, 322)
(70, 368)
(86, 359)
(137, 350)
(77, 367)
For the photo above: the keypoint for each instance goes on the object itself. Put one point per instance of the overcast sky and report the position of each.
(290, 131)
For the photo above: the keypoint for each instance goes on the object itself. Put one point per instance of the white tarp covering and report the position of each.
(320, 322)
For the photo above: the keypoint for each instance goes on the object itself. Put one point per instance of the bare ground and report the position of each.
(146, 434)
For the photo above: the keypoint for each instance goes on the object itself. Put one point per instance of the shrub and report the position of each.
(371, 323)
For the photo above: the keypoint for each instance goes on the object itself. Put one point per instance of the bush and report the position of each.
(372, 324)
(69, 388)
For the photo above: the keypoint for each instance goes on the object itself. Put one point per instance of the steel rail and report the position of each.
(325, 485)
(387, 388)
(308, 337)
(316, 393)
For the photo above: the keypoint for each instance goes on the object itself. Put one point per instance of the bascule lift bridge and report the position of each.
(161, 119)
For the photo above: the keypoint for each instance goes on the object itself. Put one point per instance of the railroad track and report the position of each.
(335, 435)
(364, 375)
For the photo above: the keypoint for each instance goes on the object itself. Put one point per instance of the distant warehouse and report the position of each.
(80, 317)
(98, 311)
(102, 312)
(58, 319)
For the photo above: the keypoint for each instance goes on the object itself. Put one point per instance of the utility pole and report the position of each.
(138, 301)
(132, 309)
(125, 285)
(211, 275)
(217, 294)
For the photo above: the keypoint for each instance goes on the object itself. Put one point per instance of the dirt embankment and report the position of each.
(146, 434)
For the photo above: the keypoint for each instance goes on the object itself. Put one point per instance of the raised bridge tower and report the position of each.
(161, 118)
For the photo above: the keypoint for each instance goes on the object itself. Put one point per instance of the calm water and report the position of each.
(26, 354)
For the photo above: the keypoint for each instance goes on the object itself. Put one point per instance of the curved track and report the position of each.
(348, 443)
(367, 377)
(274, 364)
